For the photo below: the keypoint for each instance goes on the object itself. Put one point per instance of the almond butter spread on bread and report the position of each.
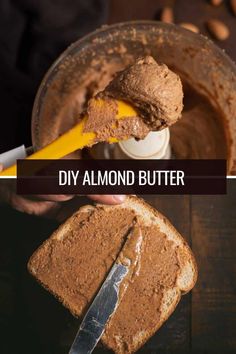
(74, 261)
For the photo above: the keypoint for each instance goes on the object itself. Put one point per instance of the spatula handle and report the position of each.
(67, 143)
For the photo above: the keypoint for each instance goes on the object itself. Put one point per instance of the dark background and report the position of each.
(32, 34)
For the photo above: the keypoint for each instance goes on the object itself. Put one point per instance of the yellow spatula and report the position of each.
(74, 139)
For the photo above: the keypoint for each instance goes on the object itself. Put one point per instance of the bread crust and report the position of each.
(149, 216)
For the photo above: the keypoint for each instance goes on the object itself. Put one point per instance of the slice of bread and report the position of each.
(74, 261)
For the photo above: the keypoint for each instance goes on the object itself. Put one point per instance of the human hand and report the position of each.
(51, 206)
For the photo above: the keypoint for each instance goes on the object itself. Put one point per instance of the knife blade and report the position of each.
(106, 300)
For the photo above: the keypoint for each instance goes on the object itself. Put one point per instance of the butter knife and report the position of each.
(106, 300)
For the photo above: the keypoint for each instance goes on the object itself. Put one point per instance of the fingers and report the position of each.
(25, 205)
(108, 199)
(50, 205)
(52, 197)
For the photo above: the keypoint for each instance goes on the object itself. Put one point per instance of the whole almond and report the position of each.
(233, 6)
(190, 26)
(216, 2)
(167, 15)
(218, 29)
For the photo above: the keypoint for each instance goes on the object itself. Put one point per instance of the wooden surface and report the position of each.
(194, 11)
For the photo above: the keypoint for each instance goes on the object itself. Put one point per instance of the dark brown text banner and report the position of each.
(121, 177)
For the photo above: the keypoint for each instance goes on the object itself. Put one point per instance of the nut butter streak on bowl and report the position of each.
(208, 126)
